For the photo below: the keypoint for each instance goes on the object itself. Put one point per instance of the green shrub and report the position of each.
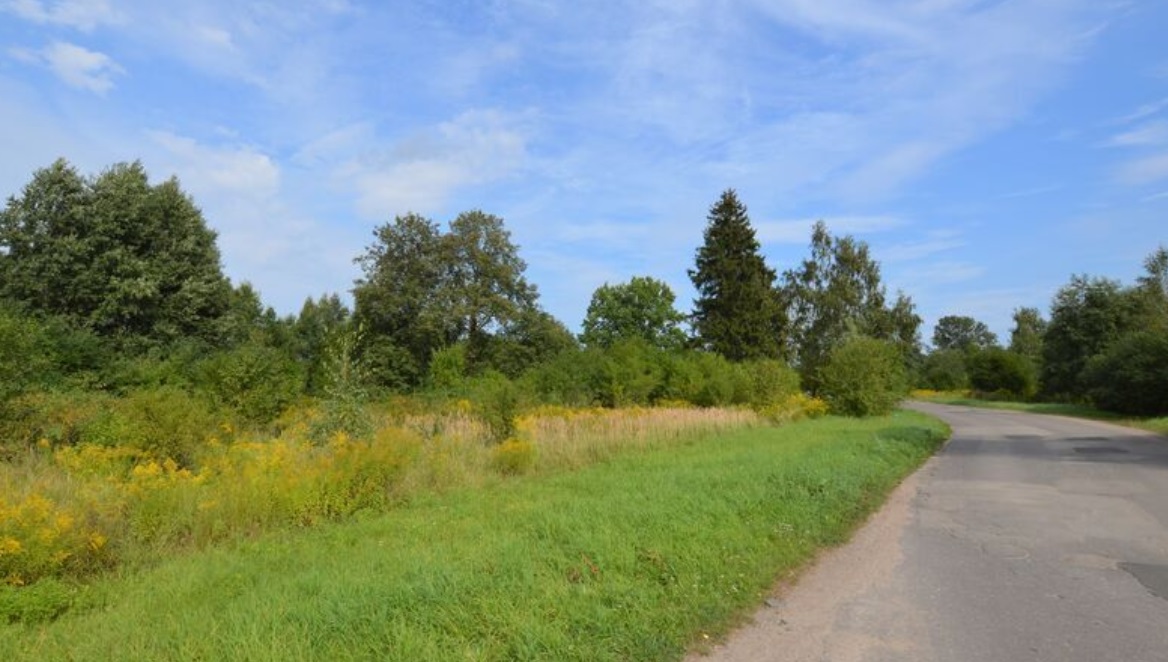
(863, 377)
(771, 381)
(567, 380)
(1001, 371)
(1131, 377)
(630, 373)
(497, 401)
(448, 369)
(256, 381)
(944, 370)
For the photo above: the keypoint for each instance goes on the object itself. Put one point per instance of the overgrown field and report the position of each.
(639, 556)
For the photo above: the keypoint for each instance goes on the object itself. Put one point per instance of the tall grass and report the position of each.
(73, 511)
(634, 558)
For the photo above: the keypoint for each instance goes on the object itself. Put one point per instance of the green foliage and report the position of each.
(836, 293)
(255, 381)
(962, 333)
(23, 353)
(1087, 316)
(41, 602)
(568, 379)
(737, 313)
(642, 308)
(1027, 333)
(424, 290)
(531, 339)
(944, 370)
(1131, 376)
(315, 330)
(114, 254)
(668, 545)
(448, 369)
(863, 377)
(1002, 372)
(344, 383)
(630, 373)
(772, 381)
(497, 401)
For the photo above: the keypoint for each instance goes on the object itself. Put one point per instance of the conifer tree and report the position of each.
(737, 312)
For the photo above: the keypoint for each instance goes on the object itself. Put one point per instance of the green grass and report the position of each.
(1158, 425)
(635, 558)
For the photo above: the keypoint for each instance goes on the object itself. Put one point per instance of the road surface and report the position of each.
(1027, 538)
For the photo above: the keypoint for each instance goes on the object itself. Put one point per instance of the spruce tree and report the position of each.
(737, 312)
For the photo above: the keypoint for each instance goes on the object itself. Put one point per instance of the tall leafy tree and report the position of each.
(1026, 335)
(737, 313)
(424, 290)
(1086, 317)
(486, 282)
(1152, 290)
(836, 293)
(962, 333)
(114, 254)
(641, 308)
(402, 302)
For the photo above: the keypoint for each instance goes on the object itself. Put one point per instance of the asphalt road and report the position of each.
(1027, 538)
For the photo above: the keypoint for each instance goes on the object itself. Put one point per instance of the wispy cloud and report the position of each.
(76, 65)
(421, 172)
(1149, 134)
(1144, 170)
(79, 14)
(1144, 111)
(799, 231)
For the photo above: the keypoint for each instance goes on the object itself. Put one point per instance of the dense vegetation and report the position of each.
(635, 558)
(1105, 344)
(149, 406)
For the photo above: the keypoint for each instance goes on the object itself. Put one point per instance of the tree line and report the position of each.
(109, 282)
(1104, 343)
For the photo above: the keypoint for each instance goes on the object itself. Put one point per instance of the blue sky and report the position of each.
(985, 149)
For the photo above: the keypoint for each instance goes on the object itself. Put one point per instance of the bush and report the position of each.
(944, 370)
(1131, 377)
(497, 404)
(771, 382)
(630, 373)
(863, 377)
(256, 381)
(1000, 371)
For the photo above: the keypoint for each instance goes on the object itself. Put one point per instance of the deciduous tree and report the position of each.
(641, 308)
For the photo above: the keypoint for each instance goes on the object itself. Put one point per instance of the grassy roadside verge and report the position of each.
(637, 557)
(1157, 425)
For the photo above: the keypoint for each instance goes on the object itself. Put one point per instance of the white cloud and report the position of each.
(915, 250)
(1144, 170)
(1149, 134)
(215, 170)
(799, 231)
(421, 173)
(75, 65)
(1144, 111)
(79, 14)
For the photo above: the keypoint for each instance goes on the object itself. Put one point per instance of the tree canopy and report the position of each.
(737, 313)
(113, 253)
(641, 308)
(963, 333)
(837, 292)
(424, 290)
